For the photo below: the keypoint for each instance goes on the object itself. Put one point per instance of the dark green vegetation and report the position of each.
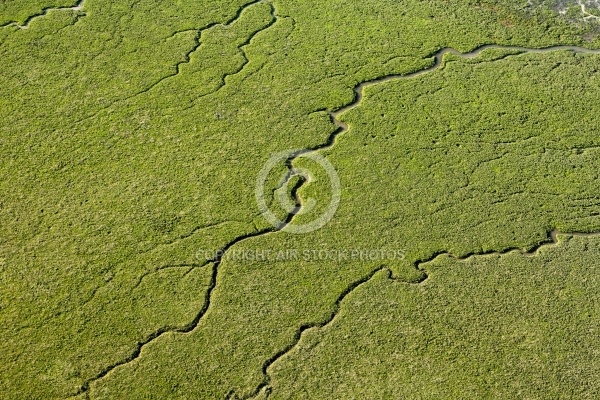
(573, 9)
(132, 133)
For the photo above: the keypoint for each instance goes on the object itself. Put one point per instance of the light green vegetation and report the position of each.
(490, 327)
(132, 132)
(479, 155)
(21, 11)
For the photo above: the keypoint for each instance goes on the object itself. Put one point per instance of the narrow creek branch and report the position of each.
(77, 7)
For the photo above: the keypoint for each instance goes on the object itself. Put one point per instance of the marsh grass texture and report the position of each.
(131, 133)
